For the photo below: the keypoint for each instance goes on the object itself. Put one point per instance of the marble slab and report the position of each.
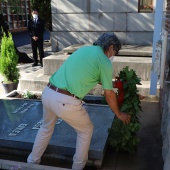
(21, 119)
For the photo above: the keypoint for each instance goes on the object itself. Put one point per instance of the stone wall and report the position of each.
(167, 21)
(165, 127)
(82, 21)
(165, 110)
(165, 99)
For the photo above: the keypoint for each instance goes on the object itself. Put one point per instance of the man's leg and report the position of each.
(82, 147)
(34, 51)
(41, 51)
(43, 136)
(77, 117)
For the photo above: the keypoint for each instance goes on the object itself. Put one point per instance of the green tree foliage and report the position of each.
(44, 7)
(8, 59)
(124, 137)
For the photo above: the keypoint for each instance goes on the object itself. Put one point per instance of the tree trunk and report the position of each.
(23, 57)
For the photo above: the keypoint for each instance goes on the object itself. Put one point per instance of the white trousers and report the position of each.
(71, 111)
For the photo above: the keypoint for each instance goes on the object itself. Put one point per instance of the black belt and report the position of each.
(61, 90)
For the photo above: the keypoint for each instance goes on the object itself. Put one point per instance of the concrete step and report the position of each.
(126, 50)
(142, 65)
(53, 62)
(143, 89)
(137, 58)
(36, 81)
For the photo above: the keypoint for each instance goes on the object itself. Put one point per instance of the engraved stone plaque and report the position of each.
(21, 119)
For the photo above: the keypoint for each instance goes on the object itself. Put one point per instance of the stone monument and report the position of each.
(21, 119)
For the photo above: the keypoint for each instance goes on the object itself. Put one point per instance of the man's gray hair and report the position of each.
(107, 39)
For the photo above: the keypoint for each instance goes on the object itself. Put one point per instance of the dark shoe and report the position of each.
(90, 168)
(34, 64)
(41, 64)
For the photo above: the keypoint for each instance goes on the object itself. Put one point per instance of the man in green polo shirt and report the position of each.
(84, 69)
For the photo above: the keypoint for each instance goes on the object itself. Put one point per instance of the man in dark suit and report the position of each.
(36, 31)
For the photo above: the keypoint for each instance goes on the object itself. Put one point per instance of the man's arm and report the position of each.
(112, 102)
(29, 29)
(113, 82)
(41, 28)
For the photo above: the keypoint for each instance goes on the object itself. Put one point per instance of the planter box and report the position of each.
(19, 95)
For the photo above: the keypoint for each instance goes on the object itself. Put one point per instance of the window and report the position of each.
(16, 16)
(145, 6)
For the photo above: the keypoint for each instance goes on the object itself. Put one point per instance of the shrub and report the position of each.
(8, 59)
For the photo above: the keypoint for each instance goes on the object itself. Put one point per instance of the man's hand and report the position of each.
(125, 118)
(35, 38)
(112, 101)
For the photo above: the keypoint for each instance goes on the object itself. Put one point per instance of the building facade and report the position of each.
(82, 21)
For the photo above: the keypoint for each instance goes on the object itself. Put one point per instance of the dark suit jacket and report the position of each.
(36, 29)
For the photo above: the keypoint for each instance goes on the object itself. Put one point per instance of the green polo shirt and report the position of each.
(84, 69)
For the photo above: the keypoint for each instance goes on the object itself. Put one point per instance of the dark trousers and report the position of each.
(37, 45)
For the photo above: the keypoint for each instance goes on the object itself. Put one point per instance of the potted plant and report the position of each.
(8, 63)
